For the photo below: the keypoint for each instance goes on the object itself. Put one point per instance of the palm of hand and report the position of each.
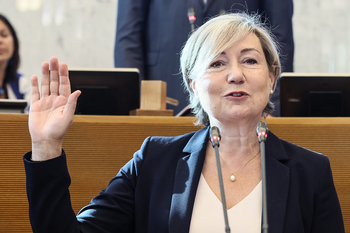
(52, 112)
(47, 120)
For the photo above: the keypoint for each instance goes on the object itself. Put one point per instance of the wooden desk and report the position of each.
(97, 146)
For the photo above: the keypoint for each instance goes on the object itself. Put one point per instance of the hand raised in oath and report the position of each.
(51, 113)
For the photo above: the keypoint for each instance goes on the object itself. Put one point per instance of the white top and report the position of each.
(208, 214)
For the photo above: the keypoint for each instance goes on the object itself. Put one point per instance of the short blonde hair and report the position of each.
(216, 36)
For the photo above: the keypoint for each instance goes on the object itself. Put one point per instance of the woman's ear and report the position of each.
(273, 80)
(193, 86)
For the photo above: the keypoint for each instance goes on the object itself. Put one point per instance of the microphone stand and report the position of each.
(262, 131)
(215, 139)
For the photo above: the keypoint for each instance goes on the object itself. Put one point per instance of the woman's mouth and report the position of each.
(237, 94)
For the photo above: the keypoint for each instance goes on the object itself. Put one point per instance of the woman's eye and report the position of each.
(4, 34)
(216, 64)
(250, 61)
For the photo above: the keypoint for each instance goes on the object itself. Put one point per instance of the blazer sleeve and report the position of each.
(327, 213)
(129, 50)
(279, 15)
(50, 207)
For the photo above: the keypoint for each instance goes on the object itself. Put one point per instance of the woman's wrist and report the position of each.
(45, 150)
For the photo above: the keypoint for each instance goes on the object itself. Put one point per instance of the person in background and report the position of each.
(150, 35)
(13, 85)
(230, 67)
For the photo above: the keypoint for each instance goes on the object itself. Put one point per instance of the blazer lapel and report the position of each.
(277, 183)
(189, 169)
(187, 176)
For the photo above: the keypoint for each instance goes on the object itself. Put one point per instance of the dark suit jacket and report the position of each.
(155, 191)
(151, 33)
(14, 85)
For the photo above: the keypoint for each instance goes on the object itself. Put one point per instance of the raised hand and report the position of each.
(51, 114)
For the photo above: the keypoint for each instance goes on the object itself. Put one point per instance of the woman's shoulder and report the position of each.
(176, 142)
(293, 154)
(302, 156)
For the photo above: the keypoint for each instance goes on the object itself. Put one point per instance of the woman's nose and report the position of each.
(235, 74)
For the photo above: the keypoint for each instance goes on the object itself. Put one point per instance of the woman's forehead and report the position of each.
(3, 26)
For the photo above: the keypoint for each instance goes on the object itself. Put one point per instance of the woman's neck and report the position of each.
(239, 139)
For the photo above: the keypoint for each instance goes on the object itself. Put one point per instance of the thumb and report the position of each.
(69, 109)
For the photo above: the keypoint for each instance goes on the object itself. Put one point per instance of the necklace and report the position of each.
(233, 177)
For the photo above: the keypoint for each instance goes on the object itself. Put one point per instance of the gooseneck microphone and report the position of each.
(262, 132)
(215, 140)
(191, 17)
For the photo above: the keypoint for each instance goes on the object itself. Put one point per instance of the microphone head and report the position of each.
(190, 12)
(191, 15)
(215, 136)
(262, 131)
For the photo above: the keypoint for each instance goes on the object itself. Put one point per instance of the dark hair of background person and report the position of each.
(12, 67)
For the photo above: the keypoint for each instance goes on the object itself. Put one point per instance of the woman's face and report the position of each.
(237, 84)
(6, 43)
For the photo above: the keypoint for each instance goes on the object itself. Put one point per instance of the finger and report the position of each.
(54, 77)
(45, 81)
(69, 109)
(35, 89)
(64, 88)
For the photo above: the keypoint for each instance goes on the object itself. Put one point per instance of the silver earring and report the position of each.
(271, 91)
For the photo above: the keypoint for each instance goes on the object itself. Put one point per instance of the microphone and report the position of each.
(191, 17)
(215, 140)
(262, 132)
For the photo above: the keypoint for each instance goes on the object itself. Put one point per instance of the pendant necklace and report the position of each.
(233, 177)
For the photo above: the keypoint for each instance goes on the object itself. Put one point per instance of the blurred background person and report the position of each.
(13, 85)
(150, 35)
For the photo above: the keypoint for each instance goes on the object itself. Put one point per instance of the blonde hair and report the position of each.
(216, 36)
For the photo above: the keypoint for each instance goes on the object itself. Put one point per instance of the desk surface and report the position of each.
(97, 146)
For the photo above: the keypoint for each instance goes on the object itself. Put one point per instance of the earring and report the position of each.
(271, 91)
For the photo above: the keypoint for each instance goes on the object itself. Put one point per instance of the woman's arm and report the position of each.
(52, 111)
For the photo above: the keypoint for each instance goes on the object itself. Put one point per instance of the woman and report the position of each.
(230, 67)
(143, 39)
(12, 84)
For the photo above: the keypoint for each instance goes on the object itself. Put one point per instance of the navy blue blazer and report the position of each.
(155, 191)
(14, 86)
(151, 33)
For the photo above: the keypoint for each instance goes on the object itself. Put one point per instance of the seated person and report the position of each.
(12, 84)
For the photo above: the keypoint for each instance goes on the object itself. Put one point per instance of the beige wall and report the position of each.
(78, 32)
(82, 32)
(322, 36)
